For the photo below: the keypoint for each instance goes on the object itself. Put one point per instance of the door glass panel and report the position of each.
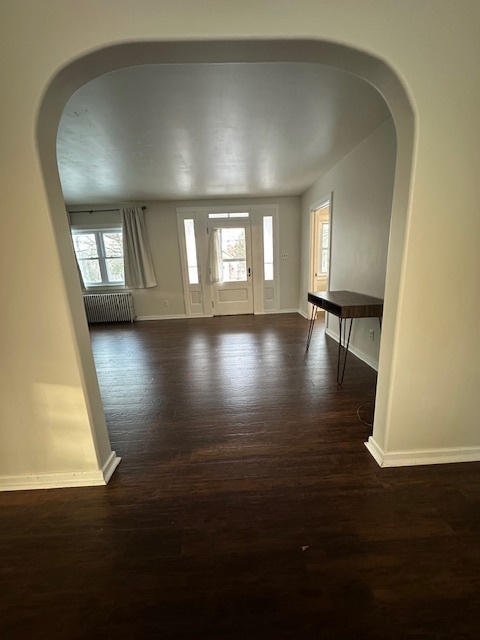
(234, 271)
(325, 230)
(324, 250)
(324, 260)
(233, 258)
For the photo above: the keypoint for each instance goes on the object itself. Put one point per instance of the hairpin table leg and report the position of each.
(342, 345)
(310, 328)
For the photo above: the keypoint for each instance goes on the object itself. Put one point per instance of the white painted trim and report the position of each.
(356, 352)
(237, 208)
(204, 315)
(171, 317)
(322, 202)
(422, 456)
(256, 213)
(270, 312)
(375, 451)
(61, 480)
(303, 314)
(110, 465)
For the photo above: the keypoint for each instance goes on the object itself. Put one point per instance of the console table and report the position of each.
(345, 305)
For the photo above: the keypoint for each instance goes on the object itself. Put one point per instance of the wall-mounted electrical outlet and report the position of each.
(165, 303)
(284, 256)
(371, 334)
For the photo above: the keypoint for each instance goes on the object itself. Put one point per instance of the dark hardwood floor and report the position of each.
(246, 505)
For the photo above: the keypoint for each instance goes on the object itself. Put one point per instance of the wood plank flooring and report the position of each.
(246, 505)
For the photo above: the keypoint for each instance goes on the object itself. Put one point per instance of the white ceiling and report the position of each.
(178, 132)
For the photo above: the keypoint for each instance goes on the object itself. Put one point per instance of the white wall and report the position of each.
(362, 186)
(161, 223)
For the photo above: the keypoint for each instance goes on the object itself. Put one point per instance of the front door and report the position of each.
(230, 267)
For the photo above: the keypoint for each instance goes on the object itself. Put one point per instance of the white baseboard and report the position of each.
(171, 317)
(375, 451)
(183, 315)
(356, 352)
(109, 467)
(303, 314)
(422, 456)
(268, 312)
(62, 480)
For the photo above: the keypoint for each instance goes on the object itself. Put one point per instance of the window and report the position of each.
(191, 247)
(268, 247)
(229, 215)
(100, 256)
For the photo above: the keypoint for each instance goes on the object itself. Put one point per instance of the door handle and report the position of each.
(249, 272)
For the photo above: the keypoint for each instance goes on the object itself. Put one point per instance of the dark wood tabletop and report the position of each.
(347, 304)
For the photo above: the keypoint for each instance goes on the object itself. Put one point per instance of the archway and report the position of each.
(374, 71)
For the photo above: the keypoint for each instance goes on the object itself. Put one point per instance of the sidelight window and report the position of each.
(268, 247)
(191, 248)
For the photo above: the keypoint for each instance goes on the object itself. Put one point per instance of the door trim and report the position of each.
(315, 206)
(200, 216)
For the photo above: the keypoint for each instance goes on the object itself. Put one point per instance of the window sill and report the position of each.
(105, 288)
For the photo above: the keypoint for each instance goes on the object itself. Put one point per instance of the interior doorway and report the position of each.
(320, 236)
(69, 77)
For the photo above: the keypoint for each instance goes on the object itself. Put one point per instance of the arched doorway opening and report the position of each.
(81, 71)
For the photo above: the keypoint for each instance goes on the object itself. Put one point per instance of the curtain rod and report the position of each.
(97, 210)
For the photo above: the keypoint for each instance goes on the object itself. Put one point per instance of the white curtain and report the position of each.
(216, 256)
(139, 273)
